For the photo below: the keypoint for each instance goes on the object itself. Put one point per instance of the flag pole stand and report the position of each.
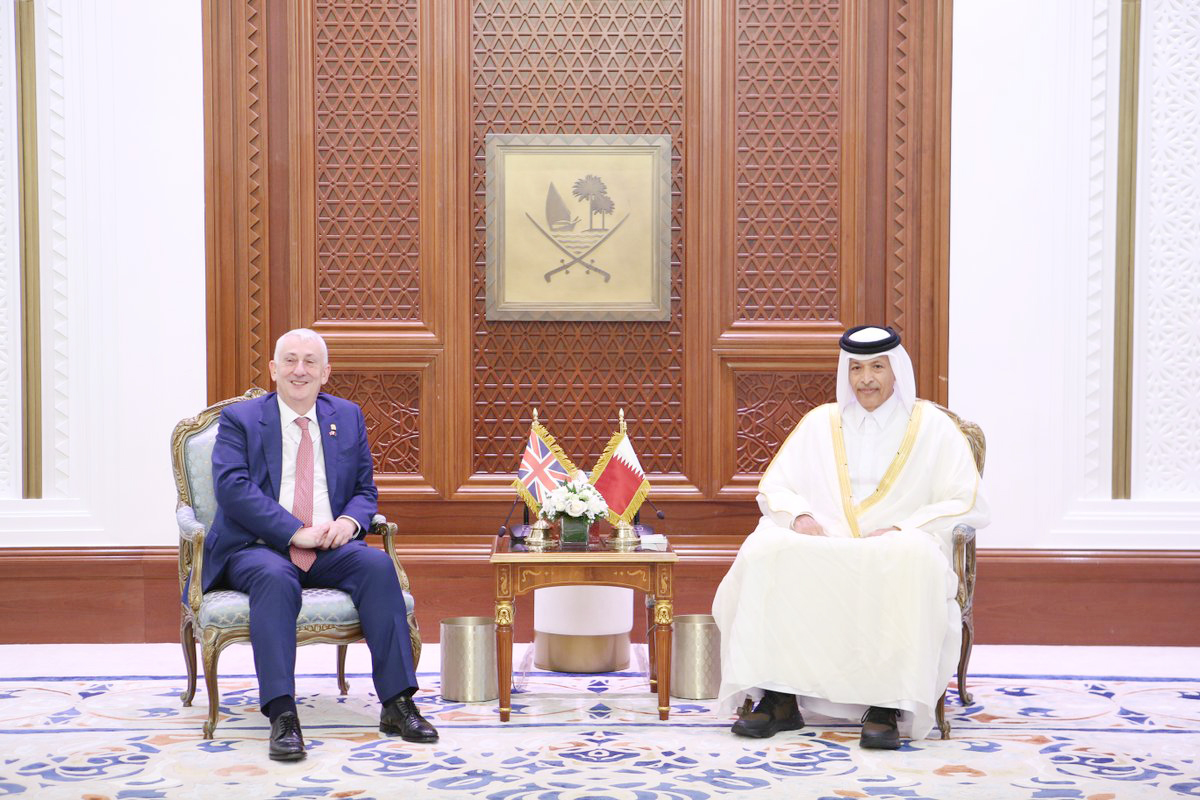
(623, 536)
(537, 532)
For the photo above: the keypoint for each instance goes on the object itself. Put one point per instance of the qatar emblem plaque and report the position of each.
(579, 227)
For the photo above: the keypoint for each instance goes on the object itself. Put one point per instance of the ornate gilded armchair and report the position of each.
(963, 558)
(219, 618)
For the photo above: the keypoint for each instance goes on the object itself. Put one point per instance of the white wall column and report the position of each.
(10, 262)
(1033, 196)
(1166, 374)
(121, 191)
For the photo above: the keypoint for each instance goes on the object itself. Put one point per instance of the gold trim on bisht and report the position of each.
(843, 469)
(889, 477)
(897, 466)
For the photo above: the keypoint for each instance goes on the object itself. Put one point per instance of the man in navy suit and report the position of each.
(295, 495)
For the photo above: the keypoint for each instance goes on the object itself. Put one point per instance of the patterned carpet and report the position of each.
(574, 737)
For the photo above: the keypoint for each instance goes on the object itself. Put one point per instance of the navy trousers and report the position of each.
(273, 583)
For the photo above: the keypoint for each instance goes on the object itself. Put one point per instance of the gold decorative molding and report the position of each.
(31, 290)
(504, 580)
(638, 576)
(1127, 113)
(664, 582)
(504, 613)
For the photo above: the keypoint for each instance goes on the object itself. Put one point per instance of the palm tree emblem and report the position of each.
(577, 247)
(592, 190)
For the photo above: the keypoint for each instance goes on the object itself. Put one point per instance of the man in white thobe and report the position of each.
(842, 600)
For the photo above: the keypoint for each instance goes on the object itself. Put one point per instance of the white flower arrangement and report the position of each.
(574, 498)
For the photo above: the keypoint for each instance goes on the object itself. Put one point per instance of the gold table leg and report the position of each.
(504, 635)
(663, 628)
(651, 635)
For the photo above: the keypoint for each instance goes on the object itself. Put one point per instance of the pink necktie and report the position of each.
(302, 502)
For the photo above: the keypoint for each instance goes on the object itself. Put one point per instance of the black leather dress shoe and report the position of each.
(879, 730)
(775, 712)
(287, 743)
(401, 717)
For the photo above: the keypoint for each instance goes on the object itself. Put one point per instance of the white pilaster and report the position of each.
(1166, 407)
(1033, 194)
(122, 223)
(10, 262)
(56, 217)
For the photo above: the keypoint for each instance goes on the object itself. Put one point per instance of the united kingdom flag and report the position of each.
(543, 467)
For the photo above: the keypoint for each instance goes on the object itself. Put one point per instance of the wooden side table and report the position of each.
(518, 571)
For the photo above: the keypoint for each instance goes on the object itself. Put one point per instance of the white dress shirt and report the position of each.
(872, 439)
(321, 511)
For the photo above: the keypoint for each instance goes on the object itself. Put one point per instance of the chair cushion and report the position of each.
(225, 608)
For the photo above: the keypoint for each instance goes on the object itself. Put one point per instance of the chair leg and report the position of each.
(943, 726)
(211, 653)
(964, 658)
(188, 640)
(343, 684)
(414, 638)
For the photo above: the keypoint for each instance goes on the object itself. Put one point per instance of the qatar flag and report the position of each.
(620, 480)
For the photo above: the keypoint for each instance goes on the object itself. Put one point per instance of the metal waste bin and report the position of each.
(469, 659)
(695, 657)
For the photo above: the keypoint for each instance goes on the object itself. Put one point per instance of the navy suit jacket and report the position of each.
(248, 466)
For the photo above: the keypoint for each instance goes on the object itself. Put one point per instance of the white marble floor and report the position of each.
(34, 660)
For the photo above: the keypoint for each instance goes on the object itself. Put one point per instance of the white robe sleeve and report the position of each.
(780, 496)
(954, 486)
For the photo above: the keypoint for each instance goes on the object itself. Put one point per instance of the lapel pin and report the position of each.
(333, 429)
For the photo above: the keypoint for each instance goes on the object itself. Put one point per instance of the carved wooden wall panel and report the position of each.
(345, 188)
(916, 233)
(769, 404)
(236, 194)
(366, 63)
(561, 67)
(899, 203)
(1045, 597)
(789, 98)
(391, 404)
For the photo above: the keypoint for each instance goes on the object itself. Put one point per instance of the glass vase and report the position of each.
(574, 530)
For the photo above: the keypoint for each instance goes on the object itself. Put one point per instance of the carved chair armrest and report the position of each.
(963, 558)
(381, 527)
(191, 555)
(189, 526)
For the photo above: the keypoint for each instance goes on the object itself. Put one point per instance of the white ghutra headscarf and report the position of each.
(866, 343)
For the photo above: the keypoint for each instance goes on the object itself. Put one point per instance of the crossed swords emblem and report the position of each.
(590, 266)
